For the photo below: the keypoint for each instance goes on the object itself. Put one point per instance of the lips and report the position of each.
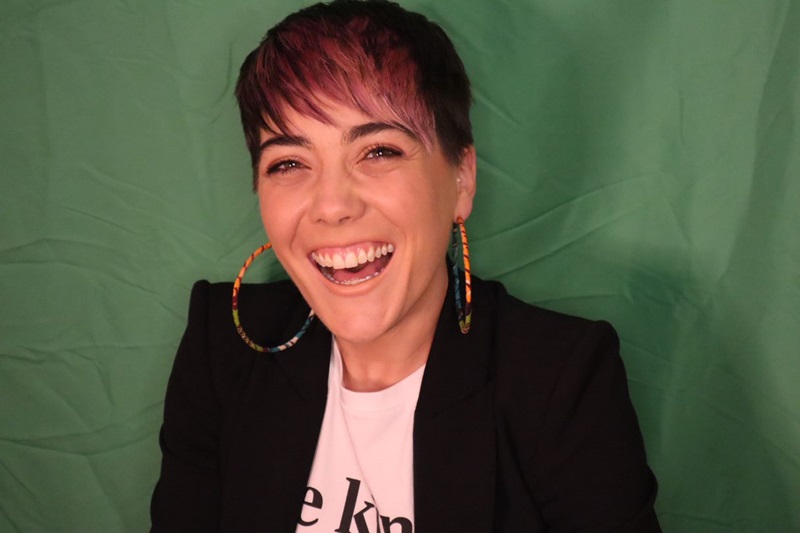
(353, 264)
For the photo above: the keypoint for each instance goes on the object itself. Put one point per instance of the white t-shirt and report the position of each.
(362, 478)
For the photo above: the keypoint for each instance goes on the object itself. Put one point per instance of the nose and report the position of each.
(336, 198)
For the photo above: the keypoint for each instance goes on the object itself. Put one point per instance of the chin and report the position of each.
(353, 322)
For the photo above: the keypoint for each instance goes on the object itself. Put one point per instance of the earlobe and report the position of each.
(466, 183)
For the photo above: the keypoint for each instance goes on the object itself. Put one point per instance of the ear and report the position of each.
(467, 173)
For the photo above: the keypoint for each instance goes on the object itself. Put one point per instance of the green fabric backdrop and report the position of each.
(638, 161)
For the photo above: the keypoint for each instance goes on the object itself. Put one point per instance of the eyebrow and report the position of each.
(284, 140)
(363, 130)
(351, 135)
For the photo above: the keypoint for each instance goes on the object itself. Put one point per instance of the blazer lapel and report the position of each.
(454, 435)
(305, 367)
(277, 432)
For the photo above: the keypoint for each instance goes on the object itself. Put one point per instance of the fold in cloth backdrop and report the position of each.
(638, 162)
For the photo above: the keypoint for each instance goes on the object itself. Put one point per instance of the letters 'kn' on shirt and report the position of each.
(362, 478)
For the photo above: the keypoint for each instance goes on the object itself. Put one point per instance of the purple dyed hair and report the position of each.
(371, 55)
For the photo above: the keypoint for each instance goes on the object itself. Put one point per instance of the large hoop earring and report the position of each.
(237, 285)
(459, 237)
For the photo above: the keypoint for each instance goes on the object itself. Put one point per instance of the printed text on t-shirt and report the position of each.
(365, 519)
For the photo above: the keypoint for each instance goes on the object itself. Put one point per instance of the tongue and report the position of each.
(358, 268)
(361, 271)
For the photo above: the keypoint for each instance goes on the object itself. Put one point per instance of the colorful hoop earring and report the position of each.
(459, 237)
(237, 285)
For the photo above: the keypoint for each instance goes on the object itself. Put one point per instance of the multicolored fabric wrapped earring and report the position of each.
(459, 240)
(237, 285)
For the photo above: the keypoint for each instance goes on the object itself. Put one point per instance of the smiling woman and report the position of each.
(350, 188)
(398, 410)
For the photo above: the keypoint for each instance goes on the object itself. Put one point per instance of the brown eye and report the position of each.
(382, 151)
(283, 167)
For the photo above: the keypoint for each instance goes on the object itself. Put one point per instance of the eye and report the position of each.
(283, 167)
(381, 151)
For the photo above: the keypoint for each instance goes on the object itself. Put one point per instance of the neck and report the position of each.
(381, 362)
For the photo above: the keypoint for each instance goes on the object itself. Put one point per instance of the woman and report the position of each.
(406, 396)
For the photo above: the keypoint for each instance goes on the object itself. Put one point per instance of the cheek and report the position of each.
(264, 210)
(431, 193)
(279, 231)
(273, 217)
(440, 200)
(427, 213)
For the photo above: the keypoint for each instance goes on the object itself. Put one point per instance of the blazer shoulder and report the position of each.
(565, 412)
(270, 314)
(529, 325)
(535, 348)
(267, 311)
(219, 295)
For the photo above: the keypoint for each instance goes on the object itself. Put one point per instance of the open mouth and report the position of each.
(354, 264)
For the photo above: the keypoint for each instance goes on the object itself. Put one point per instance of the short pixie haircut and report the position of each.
(371, 55)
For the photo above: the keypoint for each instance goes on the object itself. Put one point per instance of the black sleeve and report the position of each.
(588, 469)
(187, 496)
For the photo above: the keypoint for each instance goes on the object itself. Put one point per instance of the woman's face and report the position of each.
(359, 213)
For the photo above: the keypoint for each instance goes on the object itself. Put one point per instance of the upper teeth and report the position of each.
(352, 258)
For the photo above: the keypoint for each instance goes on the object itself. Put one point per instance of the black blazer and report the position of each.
(522, 425)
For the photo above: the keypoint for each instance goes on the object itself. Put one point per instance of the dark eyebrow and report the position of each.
(283, 140)
(362, 130)
(354, 133)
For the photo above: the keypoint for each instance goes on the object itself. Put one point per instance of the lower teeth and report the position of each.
(329, 276)
(328, 273)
